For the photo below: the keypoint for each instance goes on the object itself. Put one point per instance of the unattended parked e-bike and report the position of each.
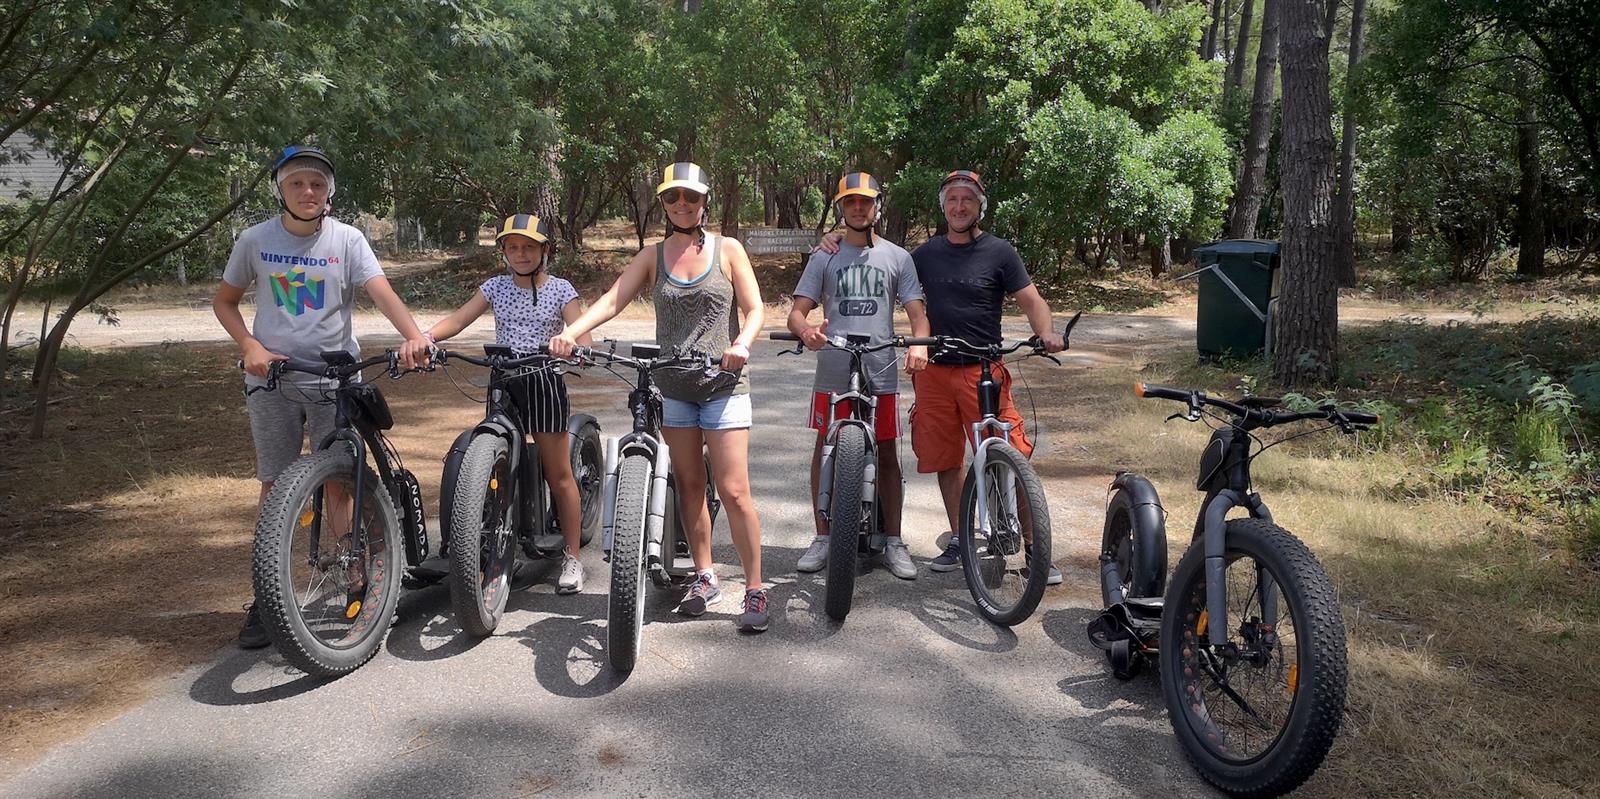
(1248, 636)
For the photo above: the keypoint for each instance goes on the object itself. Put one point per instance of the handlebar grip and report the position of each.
(782, 336)
(921, 341)
(1151, 390)
(1362, 417)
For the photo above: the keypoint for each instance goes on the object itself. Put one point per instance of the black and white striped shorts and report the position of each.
(540, 401)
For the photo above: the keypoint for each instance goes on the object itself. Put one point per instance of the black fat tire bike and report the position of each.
(642, 527)
(328, 564)
(1248, 635)
(493, 496)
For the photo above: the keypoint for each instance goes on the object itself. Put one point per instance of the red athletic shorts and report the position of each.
(886, 417)
(945, 408)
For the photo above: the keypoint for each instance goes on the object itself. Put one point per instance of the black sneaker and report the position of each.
(949, 560)
(754, 617)
(254, 634)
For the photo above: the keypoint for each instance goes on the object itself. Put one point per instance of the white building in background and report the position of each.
(26, 168)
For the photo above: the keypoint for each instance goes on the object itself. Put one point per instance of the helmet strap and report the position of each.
(318, 218)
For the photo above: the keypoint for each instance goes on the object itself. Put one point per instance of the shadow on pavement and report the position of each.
(250, 678)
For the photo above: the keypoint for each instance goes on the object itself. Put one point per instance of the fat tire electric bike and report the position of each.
(493, 496)
(1247, 635)
(327, 598)
(643, 532)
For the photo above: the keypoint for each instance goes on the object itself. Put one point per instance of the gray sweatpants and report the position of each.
(278, 421)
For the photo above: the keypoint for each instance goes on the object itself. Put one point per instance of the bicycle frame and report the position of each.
(863, 414)
(1211, 527)
(644, 403)
(985, 432)
(354, 425)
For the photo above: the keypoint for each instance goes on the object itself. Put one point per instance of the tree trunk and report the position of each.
(1530, 202)
(1306, 322)
(788, 201)
(730, 205)
(1208, 43)
(1160, 256)
(1253, 172)
(1241, 50)
(1344, 206)
(1227, 30)
(1400, 227)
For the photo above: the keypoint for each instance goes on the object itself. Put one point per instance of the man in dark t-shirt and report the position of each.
(966, 277)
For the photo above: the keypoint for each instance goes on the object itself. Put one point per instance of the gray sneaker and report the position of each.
(1053, 578)
(702, 592)
(571, 581)
(898, 560)
(754, 617)
(816, 555)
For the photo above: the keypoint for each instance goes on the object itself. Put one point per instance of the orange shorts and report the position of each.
(885, 417)
(945, 408)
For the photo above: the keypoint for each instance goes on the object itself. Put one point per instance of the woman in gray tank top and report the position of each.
(702, 284)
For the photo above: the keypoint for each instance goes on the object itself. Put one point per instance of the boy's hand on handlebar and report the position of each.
(916, 359)
(816, 336)
(258, 359)
(415, 353)
(1053, 342)
(563, 344)
(734, 357)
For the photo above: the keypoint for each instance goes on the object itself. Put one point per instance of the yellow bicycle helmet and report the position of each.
(684, 175)
(525, 225)
(534, 228)
(863, 185)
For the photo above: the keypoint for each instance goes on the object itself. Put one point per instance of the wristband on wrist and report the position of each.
(741, 347)
(428, 334)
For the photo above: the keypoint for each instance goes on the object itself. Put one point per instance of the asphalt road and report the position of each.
(913, 695)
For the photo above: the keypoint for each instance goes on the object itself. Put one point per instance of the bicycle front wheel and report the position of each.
(844, 519)
(325, 592)
(1005, 545)
(625, 606)
(482, 545)
(1257, 715)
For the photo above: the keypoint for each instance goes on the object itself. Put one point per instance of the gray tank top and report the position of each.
(697, 314)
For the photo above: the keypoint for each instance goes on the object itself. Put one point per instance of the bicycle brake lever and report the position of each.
(1053, 359)
(1182, 416)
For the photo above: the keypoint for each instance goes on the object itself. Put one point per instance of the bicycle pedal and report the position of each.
(549, 543)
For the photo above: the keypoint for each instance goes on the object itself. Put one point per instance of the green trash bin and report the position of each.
(1238, 293)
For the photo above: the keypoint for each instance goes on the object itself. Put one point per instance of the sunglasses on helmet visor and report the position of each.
(671, 196)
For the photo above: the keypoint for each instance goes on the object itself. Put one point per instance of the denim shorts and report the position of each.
(723, 413)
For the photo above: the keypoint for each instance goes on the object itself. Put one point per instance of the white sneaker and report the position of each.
(898, 559)
(571, 581)
(816, 555)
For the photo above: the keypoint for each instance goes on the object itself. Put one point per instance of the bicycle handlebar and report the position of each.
(1257, 411)
(500, 362)
(331, 371)
(842, 343)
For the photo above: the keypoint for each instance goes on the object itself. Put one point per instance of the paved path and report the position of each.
(913, 695)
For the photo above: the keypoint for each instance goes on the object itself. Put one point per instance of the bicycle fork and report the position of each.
(980, 478)
(1214, 535)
